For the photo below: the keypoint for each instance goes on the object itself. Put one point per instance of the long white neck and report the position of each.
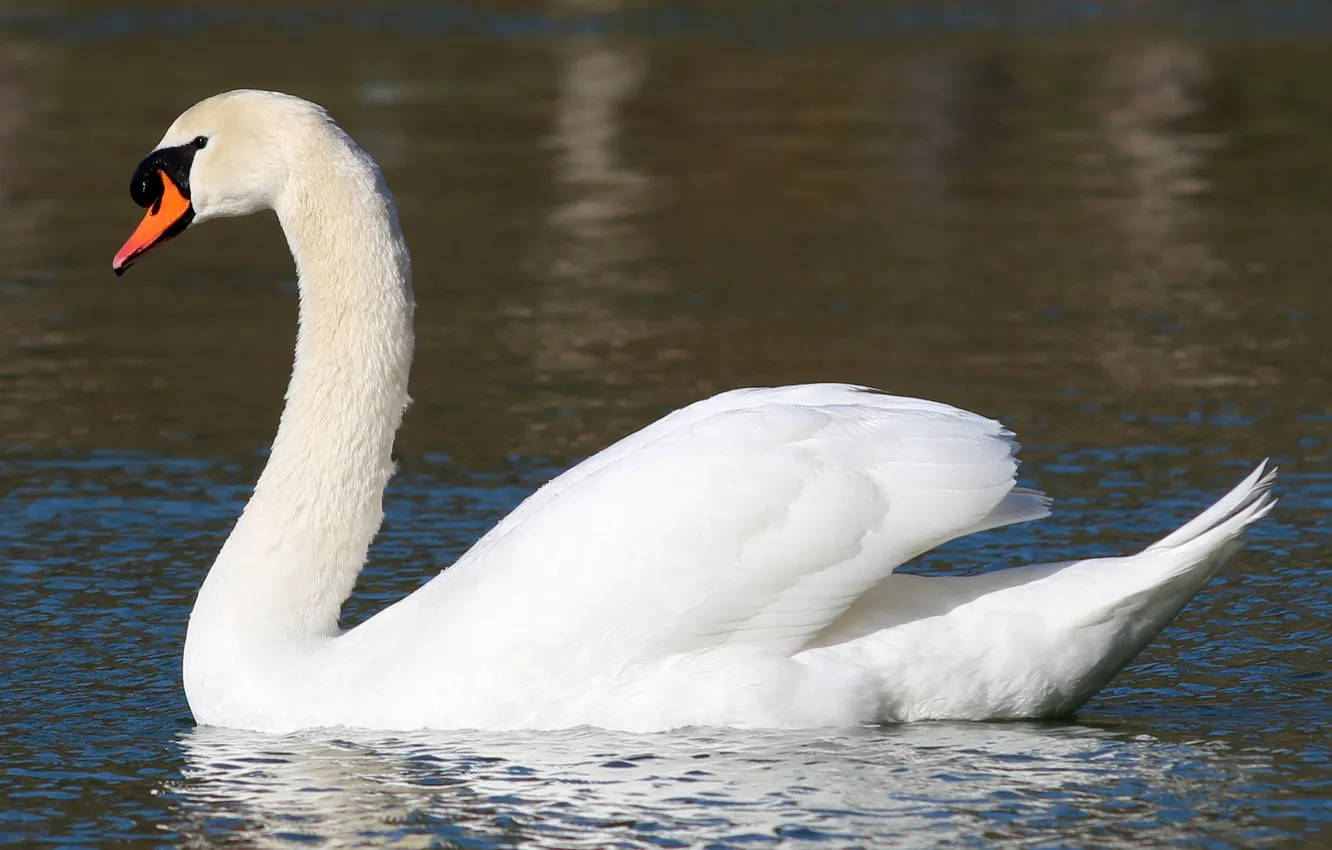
(294, 555)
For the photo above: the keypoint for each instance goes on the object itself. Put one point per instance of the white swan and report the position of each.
(730, 564)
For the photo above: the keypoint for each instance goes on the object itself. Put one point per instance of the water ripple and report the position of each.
(1215, 734)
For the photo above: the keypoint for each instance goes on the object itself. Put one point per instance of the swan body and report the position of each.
(730, 564)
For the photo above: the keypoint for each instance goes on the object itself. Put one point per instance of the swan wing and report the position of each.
(752, 519)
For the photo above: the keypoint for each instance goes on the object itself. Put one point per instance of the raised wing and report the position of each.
(752, 519)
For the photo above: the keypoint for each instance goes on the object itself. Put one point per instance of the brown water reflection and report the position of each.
(23, 375)
(607, 226)
(594, 257)
(1155, 170)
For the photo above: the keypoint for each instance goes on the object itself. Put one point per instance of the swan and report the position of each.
(730, 564)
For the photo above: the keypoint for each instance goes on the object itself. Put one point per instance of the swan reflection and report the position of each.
(916, 785)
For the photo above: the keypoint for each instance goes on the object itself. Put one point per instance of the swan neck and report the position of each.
(297, 549)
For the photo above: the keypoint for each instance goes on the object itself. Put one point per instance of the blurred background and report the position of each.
(1105, 223)
(1076, 217)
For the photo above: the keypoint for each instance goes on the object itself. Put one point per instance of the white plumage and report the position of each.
(730, 564)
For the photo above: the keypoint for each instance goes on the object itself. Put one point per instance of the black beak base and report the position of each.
(146, 184)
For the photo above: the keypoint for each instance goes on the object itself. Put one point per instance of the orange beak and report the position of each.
(168, 216)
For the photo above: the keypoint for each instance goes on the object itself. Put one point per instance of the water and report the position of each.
(1105, 224)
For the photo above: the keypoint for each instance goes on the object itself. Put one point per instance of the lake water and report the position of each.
(1106, 224)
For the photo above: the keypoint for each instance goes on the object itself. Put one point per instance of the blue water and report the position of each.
(1216, 736)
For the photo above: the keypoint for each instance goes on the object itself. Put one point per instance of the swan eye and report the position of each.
(200, 142)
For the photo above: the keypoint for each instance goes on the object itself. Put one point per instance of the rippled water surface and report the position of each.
(1106, 224)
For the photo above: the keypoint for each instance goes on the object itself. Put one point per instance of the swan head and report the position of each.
(228, 155)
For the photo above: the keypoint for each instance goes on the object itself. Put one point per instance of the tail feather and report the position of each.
(1035, 641)
(1251, 498)
(1188, 558)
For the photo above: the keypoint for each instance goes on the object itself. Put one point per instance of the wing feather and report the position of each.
(752, 519)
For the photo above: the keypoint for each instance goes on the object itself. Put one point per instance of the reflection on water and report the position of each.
(593, 254)
(595, 232)
(915, 786)
(1155, 175)
(957, 115)
(23, 331)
